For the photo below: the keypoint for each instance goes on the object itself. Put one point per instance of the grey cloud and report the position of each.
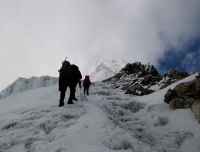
(191, 61)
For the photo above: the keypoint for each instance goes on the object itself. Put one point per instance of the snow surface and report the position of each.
(106, 69)
(109, 121)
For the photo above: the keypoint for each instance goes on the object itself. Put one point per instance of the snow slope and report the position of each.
(106, 69)
(109, 121)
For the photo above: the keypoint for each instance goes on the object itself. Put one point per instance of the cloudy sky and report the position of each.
(37, 35)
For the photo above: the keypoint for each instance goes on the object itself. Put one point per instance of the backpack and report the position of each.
(65, 69)
(75, 74)
(86, 81)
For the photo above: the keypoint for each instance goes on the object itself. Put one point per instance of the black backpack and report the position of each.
(65, 69)
(75, 74)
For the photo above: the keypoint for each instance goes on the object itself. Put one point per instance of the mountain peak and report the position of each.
(106, 69)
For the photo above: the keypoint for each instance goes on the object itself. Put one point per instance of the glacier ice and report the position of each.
(23, 84)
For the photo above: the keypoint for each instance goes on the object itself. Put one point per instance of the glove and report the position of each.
(58, 88)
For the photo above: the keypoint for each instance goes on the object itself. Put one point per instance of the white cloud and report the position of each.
(35, 36)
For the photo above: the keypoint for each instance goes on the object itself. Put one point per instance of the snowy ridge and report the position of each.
(106, 69)
(23, 84)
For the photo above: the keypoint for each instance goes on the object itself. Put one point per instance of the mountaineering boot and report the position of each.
(70, 101)
(74, 99)
(61, 104)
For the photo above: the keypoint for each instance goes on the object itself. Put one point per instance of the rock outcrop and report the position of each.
(136, 90)
(136, 78)
(185, 95)
(144, 76)
(141, 69)
(196, 109)
(176, 74)
(173, 76)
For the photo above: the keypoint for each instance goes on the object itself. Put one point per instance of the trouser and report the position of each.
(72, 89)
(86, 88)
(63, 88)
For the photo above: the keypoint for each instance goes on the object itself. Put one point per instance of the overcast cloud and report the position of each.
(36, 36)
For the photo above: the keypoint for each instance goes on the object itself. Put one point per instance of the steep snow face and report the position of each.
(22, 84)
(106, 69)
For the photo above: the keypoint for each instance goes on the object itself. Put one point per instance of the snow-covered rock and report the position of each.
(144, 78)
(173, 76)
(136, 75)
(23, 84)
(106, 69)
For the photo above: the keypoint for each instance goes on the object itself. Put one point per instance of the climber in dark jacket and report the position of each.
(71, 80)
(86, 84)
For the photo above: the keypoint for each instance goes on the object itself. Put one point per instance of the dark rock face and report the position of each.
(180, 103)
(137, 67)
(136, 90)
(169, 95)
(198, 76)
(150, 79)
(173, 76)
(136, 75)
(196, 109)
(146, 92)
(176, 74)
(188, 92)
(185, 95)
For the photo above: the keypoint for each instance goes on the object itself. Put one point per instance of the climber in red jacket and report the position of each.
(86, 84)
